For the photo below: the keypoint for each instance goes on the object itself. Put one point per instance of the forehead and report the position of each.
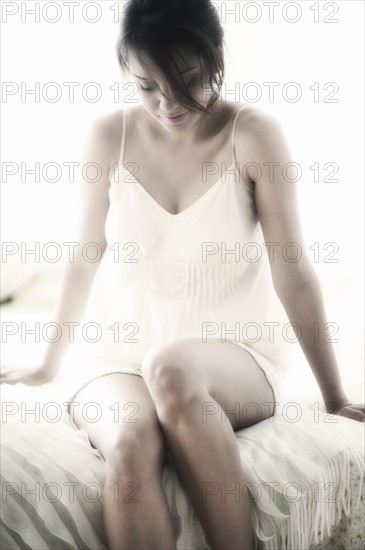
(186, 59)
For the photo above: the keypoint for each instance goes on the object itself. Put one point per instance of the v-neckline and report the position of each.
(186, 210)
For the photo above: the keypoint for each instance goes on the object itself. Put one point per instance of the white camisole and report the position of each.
(203, 273)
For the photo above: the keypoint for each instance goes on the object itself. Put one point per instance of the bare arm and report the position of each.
(78, 276)
(72, 298)
(103, 141)
(295, 282)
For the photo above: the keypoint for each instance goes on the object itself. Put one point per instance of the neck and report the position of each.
(201, 130)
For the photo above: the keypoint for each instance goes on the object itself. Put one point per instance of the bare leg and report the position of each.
(136, 512)
(183, 379)
(208, 462)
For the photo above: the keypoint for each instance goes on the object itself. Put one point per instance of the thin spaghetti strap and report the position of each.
(233, 129)
(122, 144)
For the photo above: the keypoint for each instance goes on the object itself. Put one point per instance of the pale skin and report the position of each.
(179, 377)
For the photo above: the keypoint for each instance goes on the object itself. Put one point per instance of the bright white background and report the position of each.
(304, 52)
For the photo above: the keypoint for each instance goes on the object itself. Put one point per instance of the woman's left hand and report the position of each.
(356, 412)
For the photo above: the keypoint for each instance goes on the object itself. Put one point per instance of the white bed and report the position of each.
(52, 478)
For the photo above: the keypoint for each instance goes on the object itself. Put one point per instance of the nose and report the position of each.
(167, 105)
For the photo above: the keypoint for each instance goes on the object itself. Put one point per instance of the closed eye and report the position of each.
(151, 89)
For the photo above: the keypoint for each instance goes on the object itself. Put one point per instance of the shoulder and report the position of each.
(260, 137)
(257, 123)
(108, 124)
(106, 130)
(260, 140)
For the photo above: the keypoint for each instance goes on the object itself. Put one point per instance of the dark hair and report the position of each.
(160, 27)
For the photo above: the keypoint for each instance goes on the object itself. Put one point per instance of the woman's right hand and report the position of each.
(29, 376)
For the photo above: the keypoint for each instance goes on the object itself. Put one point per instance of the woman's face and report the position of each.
(161, 105)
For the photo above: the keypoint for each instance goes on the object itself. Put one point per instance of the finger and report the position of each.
(359, 408)
(5, 377)
(12, 378)
(13, 372)
(8, 370)
(352, 413)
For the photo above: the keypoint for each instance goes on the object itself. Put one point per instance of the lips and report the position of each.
(176, 116)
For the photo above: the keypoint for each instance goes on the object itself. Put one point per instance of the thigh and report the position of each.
(228, 372)
(115, 407)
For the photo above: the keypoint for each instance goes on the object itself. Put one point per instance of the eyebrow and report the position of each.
(182, 72)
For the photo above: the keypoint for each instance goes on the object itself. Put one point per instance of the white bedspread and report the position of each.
(305, 479)
(306, 474)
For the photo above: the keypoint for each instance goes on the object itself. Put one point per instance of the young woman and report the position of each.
(185, 177)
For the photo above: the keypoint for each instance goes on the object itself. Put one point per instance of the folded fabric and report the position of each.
(305, 479)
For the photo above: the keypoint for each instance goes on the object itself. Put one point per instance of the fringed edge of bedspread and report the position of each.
(316, 512)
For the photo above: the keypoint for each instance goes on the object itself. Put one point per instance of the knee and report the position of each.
(165, 370)
(170, 378)
(137, 450)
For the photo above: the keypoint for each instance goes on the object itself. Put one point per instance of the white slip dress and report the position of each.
(203, 272)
